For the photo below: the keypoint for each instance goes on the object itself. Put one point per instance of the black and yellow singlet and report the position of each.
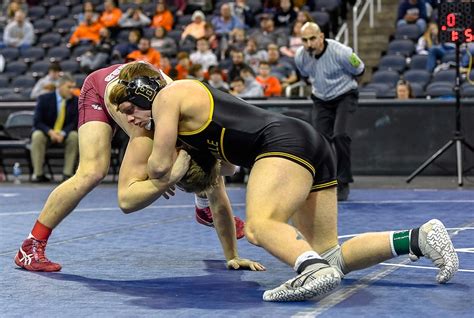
(241, 133)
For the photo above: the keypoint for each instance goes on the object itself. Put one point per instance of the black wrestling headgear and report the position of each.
(141, 91)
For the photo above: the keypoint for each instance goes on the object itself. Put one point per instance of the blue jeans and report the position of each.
(421, 23)
(435, 53)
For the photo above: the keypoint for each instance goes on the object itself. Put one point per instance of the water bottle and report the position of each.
(16, 173)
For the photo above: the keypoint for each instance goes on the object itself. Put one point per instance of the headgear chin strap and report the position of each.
(141, 91)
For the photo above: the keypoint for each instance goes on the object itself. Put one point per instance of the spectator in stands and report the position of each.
(145, 53)
(283, 70)
(242, 11)
(87, 32)
(252, 86)
(165, 64)
(184, 63)
(190, 6)
(163, 17)
(203, 54)
(332, 69)
(211, 36)
(195, 29)
(237, 40)
(111, 15)
(304, 16)
(237, 87)
(237, 64)
(428, 39)
(226, 22)
(163, 43)
(285, 14)
(55, 122)
(19, 32)
(271, 84)
(123, 49)
(196, 72)
(14, 6)
(294, 42)
(47, 83)
(88, 6)
(98, 56)
(216, 79)
(267, 33)
(134, 18)
(253, 56)
(412, 11)
(404, 90)
(436, 53)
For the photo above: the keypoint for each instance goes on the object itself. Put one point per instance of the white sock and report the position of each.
(201, 203)
(305, 256)
(30, 236)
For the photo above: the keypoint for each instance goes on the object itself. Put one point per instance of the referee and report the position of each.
(331, 68)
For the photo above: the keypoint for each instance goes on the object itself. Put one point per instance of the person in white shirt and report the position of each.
(203, 55)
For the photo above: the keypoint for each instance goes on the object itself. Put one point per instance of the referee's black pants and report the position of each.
(330, 119)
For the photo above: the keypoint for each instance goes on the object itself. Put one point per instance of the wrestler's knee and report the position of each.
(90, 177)
(253, 227)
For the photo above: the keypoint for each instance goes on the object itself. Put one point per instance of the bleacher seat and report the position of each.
(58, 53)
(183, 21)
(20, 82)
(125, 6)
(386, 77)
(49, 39)
(71, 3)
(36, 12)
(467, 90)
(57, 12)
(149, 8)
(10, 53)
(403, 47)
(417, 90)
(65, 26)
(122, 36)
(420, 77)
(81, 49)
(445, 76)
(32, 54)
(449, 57)
(79, 78)
(407, 32)
(70, 66)
(418, 62)
(322, 19)
(175, 35)
(42, 26)
(39, 68)
(378, 88)
(15, 68)
(49, 3)
(4, 80)
(12, 97)
(439, 89)
(392, 62)
(76, 10)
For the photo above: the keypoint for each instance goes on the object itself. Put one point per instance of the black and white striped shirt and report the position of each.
(333, 72)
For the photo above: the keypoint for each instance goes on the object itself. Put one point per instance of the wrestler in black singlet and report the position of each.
(241, 133)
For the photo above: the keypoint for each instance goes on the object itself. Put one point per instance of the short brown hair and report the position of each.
(129, 73)
(203, 173)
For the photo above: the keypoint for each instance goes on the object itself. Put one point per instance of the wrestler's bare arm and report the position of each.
(225, 228)
(135, 190)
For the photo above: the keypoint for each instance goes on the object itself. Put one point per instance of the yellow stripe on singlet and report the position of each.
(284, 154)
(209, 119)
(222, 144)
(324, 185)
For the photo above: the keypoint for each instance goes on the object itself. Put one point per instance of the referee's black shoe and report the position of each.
(342, 191)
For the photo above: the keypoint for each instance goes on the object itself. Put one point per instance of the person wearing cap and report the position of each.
(196, 28)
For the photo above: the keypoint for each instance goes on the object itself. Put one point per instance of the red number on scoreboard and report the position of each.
(451, 20)
(469, 36)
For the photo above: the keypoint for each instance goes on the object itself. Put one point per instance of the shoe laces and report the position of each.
(38, 250)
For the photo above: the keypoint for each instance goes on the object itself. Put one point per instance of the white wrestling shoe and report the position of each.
(435, 244)
(316, 280)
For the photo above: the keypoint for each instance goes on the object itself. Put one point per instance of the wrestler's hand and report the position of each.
(180, 166)
(169, 192)
(242, 263)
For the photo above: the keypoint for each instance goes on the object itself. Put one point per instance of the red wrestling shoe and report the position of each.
(31, 257)
(204, 217)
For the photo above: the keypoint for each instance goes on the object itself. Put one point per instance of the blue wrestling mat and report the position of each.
(160, 263)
